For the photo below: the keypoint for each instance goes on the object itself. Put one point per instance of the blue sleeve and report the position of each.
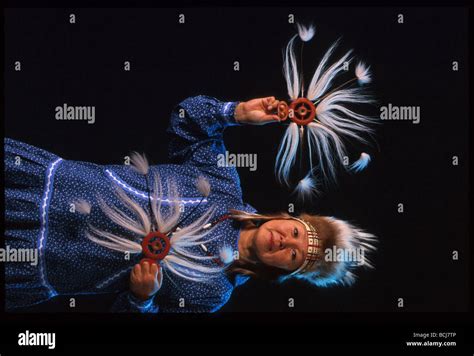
(126, 302)
(196, 130)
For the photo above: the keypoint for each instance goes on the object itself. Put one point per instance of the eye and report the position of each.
(295, 232)
(293, 254)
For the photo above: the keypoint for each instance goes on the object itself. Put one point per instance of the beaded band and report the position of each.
(314, 247)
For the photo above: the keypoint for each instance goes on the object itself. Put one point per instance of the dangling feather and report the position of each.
(203, 186)
(139, 163)
(305, 33)
(305, 188)
(290, 70)
(361, 163)
(83, 207)
(362, 73)
(287, 153)
(226, 254)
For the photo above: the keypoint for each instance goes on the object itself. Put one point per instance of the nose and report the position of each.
(284, 242)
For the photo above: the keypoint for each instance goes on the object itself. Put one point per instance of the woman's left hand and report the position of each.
(257, 111)
(145, 280)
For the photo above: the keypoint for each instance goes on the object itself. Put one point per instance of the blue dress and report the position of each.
(41, 186)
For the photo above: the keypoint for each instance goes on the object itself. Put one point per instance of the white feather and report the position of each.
(139, 163)
(305, 188)
(362, 73)
(83, 207)
(287, 153)
(361, 163)
(321, 82)
(114, 242)
(190, 271)
(168, 222)
(139, 212)
(121, 218)
(203, 186)
(226, 254)
(305, 33)
(290, 70)
(322, 64)
(333, 114)
(324, 141)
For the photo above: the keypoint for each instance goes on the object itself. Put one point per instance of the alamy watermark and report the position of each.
(66, 112)
(393, 112)
(9, 254)
(351, 255)
(28, 338)
(246, 160)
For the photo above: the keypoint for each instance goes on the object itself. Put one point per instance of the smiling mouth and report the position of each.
(271, 242)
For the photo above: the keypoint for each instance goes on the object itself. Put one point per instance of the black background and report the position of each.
(82, 64)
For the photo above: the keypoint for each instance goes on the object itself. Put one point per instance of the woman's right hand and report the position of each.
(145, 280)
(257, 111)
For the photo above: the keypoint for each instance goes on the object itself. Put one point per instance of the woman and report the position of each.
(88, 223)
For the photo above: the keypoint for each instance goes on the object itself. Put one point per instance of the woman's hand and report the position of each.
(145, 280)
(257, 111)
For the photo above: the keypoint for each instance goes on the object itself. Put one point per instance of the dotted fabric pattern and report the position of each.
(40, 189)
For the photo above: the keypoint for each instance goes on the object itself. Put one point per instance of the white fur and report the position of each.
(349, 237)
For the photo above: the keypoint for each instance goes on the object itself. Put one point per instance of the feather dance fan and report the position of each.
(319, 117)
(160, 240)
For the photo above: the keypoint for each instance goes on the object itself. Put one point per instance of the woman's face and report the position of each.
(281, 243)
